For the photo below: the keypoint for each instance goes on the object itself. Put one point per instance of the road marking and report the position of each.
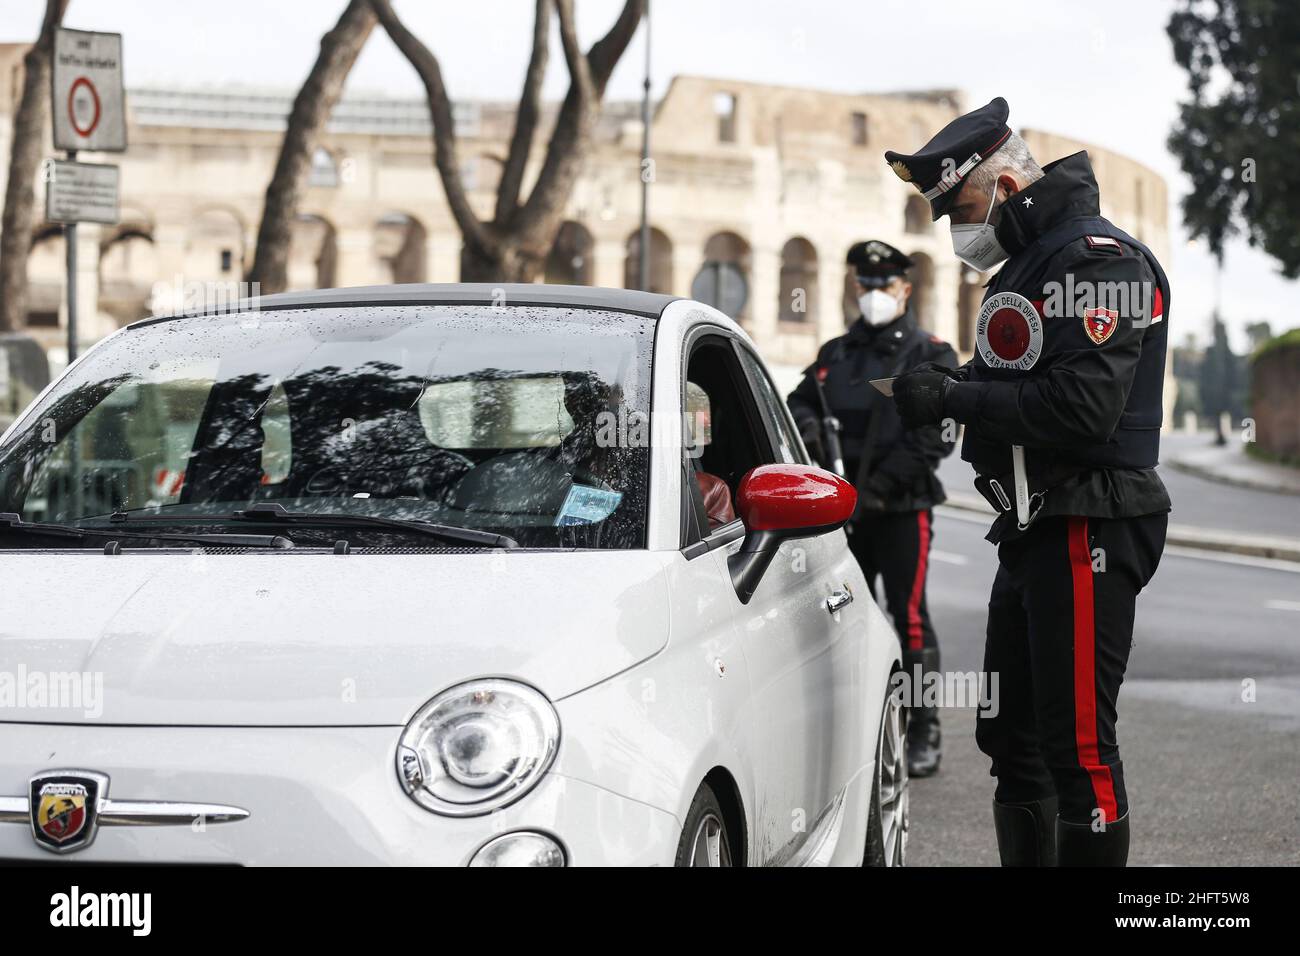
(1225, 557)
(1282, 605)
(947, 557)
(970, 517)
(1175, 550)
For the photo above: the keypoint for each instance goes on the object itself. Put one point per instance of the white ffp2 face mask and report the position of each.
(878, 308)
(977, 245)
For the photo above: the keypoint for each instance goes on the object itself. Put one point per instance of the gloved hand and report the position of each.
(869, 500)
(918, 396)
(956, 374)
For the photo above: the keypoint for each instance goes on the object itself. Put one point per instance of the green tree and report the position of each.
(1238, 137)
(1258, 333)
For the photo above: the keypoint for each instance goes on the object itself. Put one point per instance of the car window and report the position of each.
(277, 437)
(528, 421)
(788, 448)
(737, 438)
(131, 448)
(525, 412)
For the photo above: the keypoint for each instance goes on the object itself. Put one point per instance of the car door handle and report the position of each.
(839, 598)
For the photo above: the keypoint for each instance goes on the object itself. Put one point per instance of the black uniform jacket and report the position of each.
(900, 463)
(1081, 388)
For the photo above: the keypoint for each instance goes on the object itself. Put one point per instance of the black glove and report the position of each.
(919, 395)
(956, 374)
(869, 500)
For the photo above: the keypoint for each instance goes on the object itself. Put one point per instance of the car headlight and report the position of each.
(477, 747)
(524, 848)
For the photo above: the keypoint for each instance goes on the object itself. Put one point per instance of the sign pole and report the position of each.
(70, 248)
(643, 240)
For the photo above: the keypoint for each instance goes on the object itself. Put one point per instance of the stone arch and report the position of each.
(128, 267)
(661, 262)
(849, 295)
(215, 245)
(399, 245)
(970, 293)
(799, 297)
(571, 260)
(313, 253)
(324, 169)
(46, 276)
(921, 275)
(724, 278)
(916, 216)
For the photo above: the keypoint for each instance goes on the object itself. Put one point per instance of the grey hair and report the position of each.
(1013, 157)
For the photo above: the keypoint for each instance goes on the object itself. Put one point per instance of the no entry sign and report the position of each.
(88, 107)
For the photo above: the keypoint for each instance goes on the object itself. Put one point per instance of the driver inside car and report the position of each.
(699, 432)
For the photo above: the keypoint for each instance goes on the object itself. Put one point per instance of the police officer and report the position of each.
(1062, 408)
(892, 467)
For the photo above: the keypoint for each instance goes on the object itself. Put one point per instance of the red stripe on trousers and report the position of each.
(1085, 675)
(914, 636)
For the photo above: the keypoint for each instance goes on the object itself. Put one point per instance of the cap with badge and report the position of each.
(940, 167)
(875, 263)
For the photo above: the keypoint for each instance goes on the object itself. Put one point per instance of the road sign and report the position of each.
(88, 108)
(721, 285)
(81, 192)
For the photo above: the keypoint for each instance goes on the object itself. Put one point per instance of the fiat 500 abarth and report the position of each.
(464, 575)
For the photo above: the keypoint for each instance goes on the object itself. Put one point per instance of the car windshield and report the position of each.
(502, 419)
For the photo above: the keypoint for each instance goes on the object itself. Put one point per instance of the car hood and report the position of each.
(311, 640)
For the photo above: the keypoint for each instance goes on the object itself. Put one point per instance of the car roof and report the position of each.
(507, 294)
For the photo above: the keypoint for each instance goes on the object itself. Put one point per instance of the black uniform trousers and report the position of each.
(1060, 627)
(896, 545)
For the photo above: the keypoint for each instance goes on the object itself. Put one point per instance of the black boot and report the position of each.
(1026, 832)
(1078, 844)
(924, 740)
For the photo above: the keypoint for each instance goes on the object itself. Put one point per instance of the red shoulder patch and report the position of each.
(1102, 242)
(1100, 324)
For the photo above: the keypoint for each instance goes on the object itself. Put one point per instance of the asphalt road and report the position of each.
(1197, 502)
(1212, 779)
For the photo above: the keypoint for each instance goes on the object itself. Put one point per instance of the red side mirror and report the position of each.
(792, 498)
(777, 502)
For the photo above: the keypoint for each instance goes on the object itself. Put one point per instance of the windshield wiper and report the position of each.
(14, 522)
(271, 513)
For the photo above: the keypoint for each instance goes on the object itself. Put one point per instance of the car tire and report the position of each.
(705, 840)
(887, 818)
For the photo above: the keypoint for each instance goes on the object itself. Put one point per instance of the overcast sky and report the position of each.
(1099, 71)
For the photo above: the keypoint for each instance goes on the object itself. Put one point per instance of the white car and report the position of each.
(437, 574)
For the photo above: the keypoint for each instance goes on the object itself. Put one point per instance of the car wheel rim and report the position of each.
(893, 784)
(709, 847)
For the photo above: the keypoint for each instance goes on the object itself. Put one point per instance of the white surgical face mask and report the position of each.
(878, 308)
(977, 245)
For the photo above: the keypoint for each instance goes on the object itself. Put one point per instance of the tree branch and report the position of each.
(444, 133)
(311, 112)
(579, 69)
(574, 124)
(521, 143)
(24, 159)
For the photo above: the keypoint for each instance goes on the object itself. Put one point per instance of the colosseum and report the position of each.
(758, 191)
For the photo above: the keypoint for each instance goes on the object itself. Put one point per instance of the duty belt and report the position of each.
(999, 491)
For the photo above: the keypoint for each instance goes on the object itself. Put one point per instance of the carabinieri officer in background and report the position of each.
(1062, 408)
(892, 468)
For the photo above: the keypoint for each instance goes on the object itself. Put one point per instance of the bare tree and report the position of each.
(512, 246)
(311, 111)
(24, 159)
